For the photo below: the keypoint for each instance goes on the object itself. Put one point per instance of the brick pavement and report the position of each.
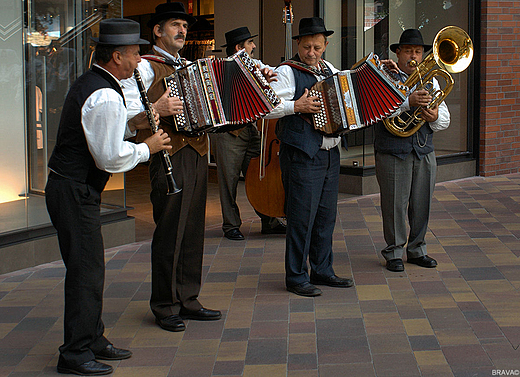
(460, 319)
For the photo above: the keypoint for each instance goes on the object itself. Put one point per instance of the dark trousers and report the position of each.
(178, 240)
(406, 193)
(74, 211)
(311, 195)
(233, 154)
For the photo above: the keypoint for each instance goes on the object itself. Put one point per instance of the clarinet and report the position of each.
(166, 162)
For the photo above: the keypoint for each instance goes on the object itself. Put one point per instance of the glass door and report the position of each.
(58, 50)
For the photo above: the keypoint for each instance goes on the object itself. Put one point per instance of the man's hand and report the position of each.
(141, 122)
(269, 74)
(430, 115)
(307, 104)
(419, 98)
(158, 142)
(166, 105)
(391, 65)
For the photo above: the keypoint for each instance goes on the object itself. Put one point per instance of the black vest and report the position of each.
(293, 129)
(71, 157)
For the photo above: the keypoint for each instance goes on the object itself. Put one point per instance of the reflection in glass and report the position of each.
(371, 26)
(57, 51)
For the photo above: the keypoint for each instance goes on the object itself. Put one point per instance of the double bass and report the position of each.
(264, 188)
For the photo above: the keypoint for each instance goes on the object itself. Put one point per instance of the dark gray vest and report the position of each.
(421, 142)
(293, 129)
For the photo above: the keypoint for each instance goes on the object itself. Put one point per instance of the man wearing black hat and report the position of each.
(406, 166)
(234, 150)
(90, 147)
(310, 165)
(178, 240)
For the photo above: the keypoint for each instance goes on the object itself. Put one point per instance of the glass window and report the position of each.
(55, 51)
(364, 26)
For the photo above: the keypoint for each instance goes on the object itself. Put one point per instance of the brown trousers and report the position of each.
(178, 240)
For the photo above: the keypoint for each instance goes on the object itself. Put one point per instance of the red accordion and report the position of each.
(220, 92)
(357, 98)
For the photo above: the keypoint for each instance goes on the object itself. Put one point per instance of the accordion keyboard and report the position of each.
(180, 119)
(319, 119)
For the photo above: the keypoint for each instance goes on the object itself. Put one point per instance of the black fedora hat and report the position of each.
(412, 37)
(311, 26)
(119, 32)
(238, 35)
(166, 11)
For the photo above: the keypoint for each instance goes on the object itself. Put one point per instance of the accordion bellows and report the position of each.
(356, 98)
(220, 92)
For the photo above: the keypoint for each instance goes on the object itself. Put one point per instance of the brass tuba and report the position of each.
(452, 52)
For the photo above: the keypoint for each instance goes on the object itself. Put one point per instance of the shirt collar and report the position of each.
(115, 78)
(167, 54)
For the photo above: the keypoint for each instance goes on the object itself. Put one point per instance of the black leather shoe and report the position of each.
(113, 353)
(234, 234)
(171, 323)
(305, 289)
(202, 314)
(90, 368)
(395, 265)
(332, 281)
(424, 261)
(279, 229)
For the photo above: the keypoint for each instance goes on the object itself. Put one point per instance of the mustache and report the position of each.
(180, 36)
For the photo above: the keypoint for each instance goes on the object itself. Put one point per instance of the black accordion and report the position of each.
(220, 92)
(357, 98)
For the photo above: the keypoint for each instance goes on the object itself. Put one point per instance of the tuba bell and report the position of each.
(452, 52)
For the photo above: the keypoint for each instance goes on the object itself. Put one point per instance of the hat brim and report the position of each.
(241, 40)
(326, 33)
(156, 18)
(395, 46)
(137, 42)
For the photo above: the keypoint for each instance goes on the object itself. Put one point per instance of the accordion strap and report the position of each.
(323, 71)
(162, 59)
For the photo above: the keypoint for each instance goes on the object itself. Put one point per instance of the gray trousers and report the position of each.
(233, 154)
(406, 192)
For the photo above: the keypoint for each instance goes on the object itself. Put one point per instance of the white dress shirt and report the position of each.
(285, 88)
(130, 89)
(103, 118)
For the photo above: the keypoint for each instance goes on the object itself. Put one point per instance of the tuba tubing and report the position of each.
(452, 52)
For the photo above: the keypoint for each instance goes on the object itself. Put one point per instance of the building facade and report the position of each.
(45, 45)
